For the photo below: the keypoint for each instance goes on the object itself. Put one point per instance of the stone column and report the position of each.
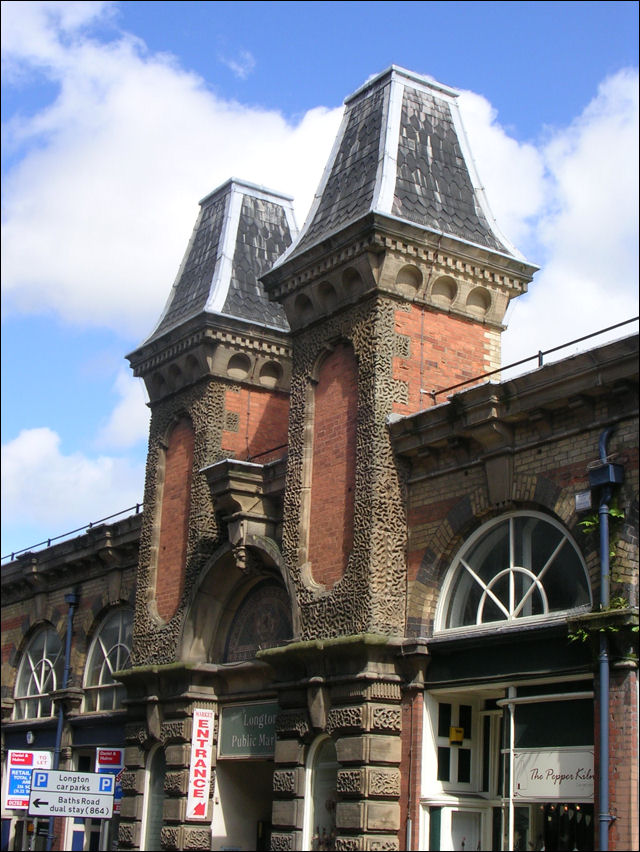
(293, 729)
(369, 751)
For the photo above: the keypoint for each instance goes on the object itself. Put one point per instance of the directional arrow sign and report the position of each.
(78, 794)
(85, 805)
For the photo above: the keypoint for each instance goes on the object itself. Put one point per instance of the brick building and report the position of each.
(359, 610)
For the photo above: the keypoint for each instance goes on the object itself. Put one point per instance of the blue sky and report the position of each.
(118, 117)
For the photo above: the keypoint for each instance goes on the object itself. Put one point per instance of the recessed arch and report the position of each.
(239, 366)
(444, 291)
(479, 301)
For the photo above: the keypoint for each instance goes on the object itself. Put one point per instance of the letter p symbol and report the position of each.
(40, 779)
(106, 784)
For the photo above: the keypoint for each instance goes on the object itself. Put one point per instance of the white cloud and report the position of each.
(46, 488)
(128, 422)
(105, 195)
(511, 172)
(587, 230)
(241, 66)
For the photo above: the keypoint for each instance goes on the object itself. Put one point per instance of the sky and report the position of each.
(118, 117)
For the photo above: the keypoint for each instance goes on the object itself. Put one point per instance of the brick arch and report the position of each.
(175, 474)
(461, 520)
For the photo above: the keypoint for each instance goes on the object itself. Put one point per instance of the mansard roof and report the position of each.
(240, 231)
(401, 151)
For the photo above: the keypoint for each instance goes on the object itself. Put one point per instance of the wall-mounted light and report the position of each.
(30, 738)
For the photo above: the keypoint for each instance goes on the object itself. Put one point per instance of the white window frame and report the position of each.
(107, 684)
(512, 614)
(45, 671)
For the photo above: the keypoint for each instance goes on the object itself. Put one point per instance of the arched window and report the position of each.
(263, 620)
(320, 796)
(109, 653)
(40, 674)
(517, 566)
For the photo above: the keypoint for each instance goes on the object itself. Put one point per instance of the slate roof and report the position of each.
(401, 151)
(240, 231)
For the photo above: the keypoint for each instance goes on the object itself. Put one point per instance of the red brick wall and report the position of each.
(174, 519)
(623, 760)
(262, 422)
(333, 471)
(450, 350)
(410, 767)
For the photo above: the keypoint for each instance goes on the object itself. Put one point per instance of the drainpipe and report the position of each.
(604, 476)
(71, 599)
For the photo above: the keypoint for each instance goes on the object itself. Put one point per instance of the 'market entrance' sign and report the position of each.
(200, 766)
(248, 730)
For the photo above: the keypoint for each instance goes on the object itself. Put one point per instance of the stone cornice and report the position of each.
(486, 414)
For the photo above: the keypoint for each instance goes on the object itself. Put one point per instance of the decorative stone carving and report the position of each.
(176, 783)
(281, 842)
(196, 838)
(341, 718)
(350, 781)
(126, 834)
(169, 838)
(384, 782)
(128, 781)
(386, 719)
(349, 844)
(174, 731)
(284, 781)
(292, 722)
(388, 844)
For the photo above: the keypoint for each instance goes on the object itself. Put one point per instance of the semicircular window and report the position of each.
(262, 620)
(39, 675)
(519, 566)
(109, 653)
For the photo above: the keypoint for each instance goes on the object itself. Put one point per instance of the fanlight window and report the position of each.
(524, 565)
(109, 653)
(40, 674)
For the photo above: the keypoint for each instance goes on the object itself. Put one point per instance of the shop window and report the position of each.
(155, 799)
(40, 674)
(520, 566)
(109, 653)
(320, 816)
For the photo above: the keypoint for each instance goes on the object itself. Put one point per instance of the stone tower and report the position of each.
(397, 284)
(217, 371)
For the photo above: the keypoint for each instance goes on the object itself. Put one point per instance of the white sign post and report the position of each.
(200, 769)
(76, 794)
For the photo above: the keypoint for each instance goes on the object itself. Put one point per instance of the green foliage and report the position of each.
(590, 525)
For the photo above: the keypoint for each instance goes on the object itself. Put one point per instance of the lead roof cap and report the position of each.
(401, 151)
(239, 233)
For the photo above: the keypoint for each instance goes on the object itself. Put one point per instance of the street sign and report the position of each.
(84, 805)
(111, 761)
(20, 765)
(77, 794)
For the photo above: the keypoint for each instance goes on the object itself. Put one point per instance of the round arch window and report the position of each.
(519, 566)
(40, 674)
(109, 653)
